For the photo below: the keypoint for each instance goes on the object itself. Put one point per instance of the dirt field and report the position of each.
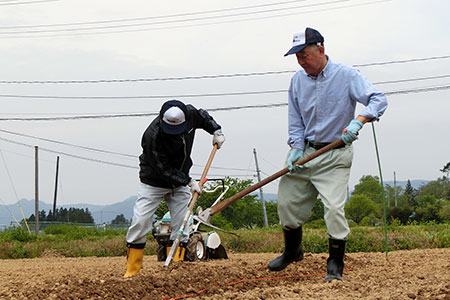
(417, 274)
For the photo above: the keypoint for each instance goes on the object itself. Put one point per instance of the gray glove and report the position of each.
(218, 138)
(193, 184)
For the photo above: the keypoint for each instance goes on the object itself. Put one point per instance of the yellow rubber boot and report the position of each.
(134, 261)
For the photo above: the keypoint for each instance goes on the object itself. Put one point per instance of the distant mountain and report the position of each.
(100, 213)
(107, 213)
(416, 183)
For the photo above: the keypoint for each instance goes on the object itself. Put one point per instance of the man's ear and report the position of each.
(321, 49)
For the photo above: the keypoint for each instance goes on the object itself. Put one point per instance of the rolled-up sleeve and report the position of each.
(362, 91)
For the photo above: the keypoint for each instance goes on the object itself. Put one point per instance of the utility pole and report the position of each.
(261, 190)
(395, 190)
(36, 190)
(56, 188)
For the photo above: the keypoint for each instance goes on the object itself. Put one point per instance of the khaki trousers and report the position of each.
(325, 176)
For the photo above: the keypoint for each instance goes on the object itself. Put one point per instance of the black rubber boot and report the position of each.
(335, 262)
(293, 250)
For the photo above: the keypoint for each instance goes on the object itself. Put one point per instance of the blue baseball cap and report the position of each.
(304, 38)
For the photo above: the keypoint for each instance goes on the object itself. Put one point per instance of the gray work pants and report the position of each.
(149, 197)
(325, 176)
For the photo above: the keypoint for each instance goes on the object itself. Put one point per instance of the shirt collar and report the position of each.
(326, 69)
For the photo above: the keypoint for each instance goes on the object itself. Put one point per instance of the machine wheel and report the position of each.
(195, 249)
(161, 252)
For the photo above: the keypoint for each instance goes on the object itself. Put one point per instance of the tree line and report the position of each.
(365, 206)
(71, 215)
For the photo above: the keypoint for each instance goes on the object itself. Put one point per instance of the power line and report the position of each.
(141, 96)
(412, 79)
(151, 17)
(401, 61)
(135, 114)
(229, 108)
(54, 97)
(145, 79)
(169, 21)
(71, 155)
(201, 24)
(69, 144)
(27, 2)
(9, 175)
(27, 156)
(96, 149)
(217, 76)
(419, 90)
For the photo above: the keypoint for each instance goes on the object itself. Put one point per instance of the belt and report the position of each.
(318, 146)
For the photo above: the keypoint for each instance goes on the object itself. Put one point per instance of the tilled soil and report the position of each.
(416, 274)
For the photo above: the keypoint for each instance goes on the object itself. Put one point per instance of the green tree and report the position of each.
(370, 187)
(429, 210)
(411, 194)
(359, 207)
(393, 194)
(161, 210)
(444, 212)
(446, 169)
(401, 213)
(317, 211)
(75, 215)
(272, 213)
(120, 220)
(243, 213)
(440, 189)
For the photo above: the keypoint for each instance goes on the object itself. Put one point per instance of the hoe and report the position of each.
(204, 217)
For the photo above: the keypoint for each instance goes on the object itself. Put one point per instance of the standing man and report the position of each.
(164, 173)
(321, 109)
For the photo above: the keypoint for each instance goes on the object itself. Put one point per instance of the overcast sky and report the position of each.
(56, 43)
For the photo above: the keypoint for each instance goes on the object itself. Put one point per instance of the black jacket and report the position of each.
(165, 160)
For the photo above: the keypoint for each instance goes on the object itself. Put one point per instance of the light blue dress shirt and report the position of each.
(321, 107)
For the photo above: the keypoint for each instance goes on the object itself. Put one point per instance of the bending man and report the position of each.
(164, 173)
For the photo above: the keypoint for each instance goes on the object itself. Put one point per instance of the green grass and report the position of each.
(77, 241)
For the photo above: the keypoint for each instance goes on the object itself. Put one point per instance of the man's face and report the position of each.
(311, 59)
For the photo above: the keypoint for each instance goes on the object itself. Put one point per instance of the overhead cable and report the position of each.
(169, 21)
(69, 144)
(95, 149)
(217, 76)
(55, 97)
(404, 91)
(133, 114)
(141, 96)
(196, 25)
(401, 61)
(151, 17)
(145, 79)
(71, 155)
(27, 2)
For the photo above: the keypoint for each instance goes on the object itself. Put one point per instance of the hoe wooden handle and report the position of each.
(225, 203)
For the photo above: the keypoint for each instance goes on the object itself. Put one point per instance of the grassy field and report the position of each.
(76, 241)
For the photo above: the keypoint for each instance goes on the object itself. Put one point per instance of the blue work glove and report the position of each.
(350, 133)
(294, 155)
